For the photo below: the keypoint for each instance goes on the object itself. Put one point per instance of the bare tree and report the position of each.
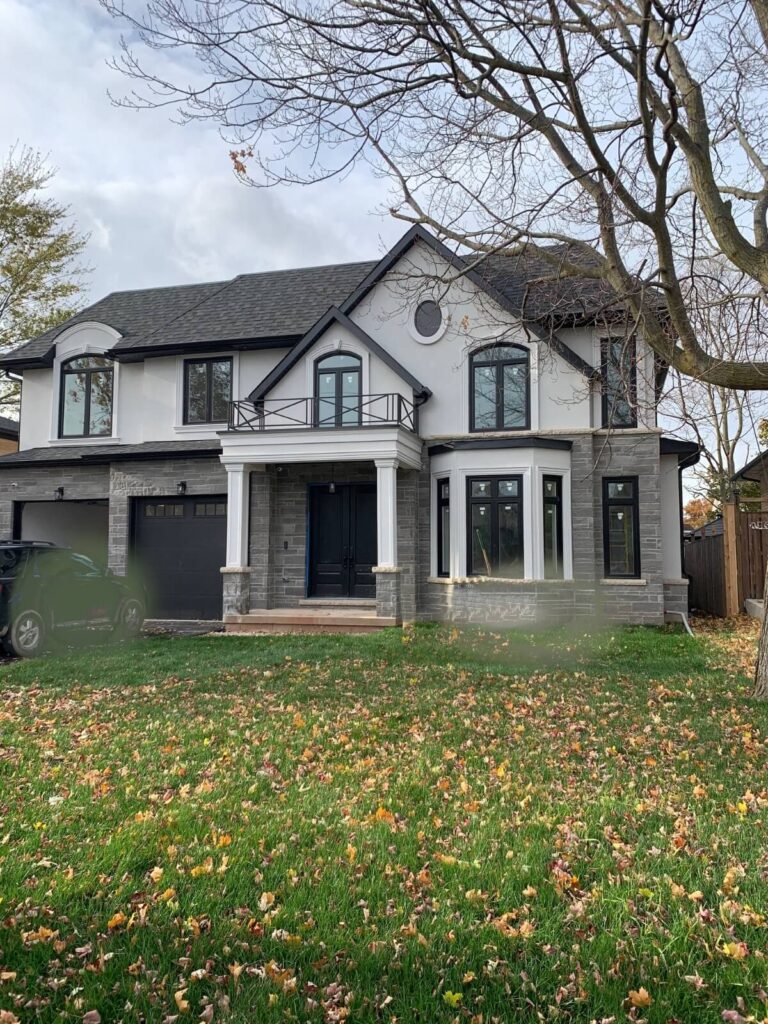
(623, 124)
(724, 422)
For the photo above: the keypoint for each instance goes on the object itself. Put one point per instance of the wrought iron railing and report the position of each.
(323, 413)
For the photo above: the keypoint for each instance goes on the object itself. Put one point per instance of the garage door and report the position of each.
(179, 546)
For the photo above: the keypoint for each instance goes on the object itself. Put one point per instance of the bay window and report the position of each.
(495, 526)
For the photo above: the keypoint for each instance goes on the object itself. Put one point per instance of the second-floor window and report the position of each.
(619, 367)
(207, 390)
(499, 388)
(86, 397)
(337, 390)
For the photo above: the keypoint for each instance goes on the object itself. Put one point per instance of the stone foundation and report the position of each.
(237, 591)
(388, 593)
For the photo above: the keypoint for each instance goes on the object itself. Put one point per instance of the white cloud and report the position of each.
(159, 200)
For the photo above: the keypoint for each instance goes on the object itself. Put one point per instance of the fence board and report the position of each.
(752, 553)
(705, 566)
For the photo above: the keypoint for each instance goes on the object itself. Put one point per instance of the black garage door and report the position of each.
(179, 546)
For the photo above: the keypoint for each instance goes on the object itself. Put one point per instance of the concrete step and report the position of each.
(308, 620)
(337, 602)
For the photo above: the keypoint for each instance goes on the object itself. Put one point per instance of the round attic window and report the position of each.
(428, 319)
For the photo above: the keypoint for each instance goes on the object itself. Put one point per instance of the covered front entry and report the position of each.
(178, 546)
(342, 540)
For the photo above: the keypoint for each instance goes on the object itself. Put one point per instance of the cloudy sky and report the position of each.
(159, 201)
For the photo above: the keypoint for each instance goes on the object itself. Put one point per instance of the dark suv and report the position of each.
(46, 589)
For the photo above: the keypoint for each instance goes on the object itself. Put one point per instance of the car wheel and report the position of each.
(26, 637)
(130, 619)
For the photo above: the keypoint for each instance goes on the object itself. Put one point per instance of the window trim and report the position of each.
(498, 364)
(337, 417)
(605, 346)
(64, 372)
(207, 360)
(558, 503)
(443, 570)
(494, 501)
(634, 504)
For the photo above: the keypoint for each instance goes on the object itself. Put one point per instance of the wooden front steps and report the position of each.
(311, 618)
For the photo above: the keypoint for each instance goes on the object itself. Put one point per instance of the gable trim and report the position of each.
(419, 234)
(335, 315)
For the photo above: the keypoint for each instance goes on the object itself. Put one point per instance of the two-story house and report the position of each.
(401, 439)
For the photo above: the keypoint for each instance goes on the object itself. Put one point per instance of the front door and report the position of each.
(342, 540)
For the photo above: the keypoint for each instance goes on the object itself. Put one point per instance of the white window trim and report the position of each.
(532, 467)
(203, 430)
(69, 347)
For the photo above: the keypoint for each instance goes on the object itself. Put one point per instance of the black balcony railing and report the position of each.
(323, 413)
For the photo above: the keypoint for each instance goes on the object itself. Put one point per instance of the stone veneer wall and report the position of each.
(588, 596)
(118, 483)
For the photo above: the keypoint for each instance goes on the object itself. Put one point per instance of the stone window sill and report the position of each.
(479, 580)
(69, 442)
(618, 582)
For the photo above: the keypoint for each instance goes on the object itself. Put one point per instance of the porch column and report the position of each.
(236, 574)
(386, 512)
(387, 571)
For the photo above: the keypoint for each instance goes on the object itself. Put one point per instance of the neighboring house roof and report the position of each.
(713, 529)
(277, 308)
(759, 462)
(91, 454)
(687, 452)
(335, 315)
(9, 429)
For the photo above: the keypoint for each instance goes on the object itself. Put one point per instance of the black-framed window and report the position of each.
(619, 374)
(499, 388)
(552, 488)
(495, 526)
(444, 527)
(337, 390)
(207, 389)
(621, 527)
(85, 408)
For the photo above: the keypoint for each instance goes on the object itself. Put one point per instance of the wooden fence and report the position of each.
(705, 567)
(726, 570)
(751, 553)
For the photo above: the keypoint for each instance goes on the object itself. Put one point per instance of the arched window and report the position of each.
(337, 390)
(85, 408)
(499, 388)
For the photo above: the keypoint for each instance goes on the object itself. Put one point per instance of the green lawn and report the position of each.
(418, 826)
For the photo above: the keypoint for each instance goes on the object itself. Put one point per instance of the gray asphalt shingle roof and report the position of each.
(9, 428)
(105, 453)
(281, 306)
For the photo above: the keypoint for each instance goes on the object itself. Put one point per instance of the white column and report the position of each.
(386, 512)
(238, 499)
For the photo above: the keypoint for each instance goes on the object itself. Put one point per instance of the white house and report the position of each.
(380, 442)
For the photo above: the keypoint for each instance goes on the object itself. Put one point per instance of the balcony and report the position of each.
(391, 410)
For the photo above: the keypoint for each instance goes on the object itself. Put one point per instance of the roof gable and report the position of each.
(335, 315)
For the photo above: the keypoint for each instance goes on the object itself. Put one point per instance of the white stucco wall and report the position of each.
(670, 517)
(148, 394)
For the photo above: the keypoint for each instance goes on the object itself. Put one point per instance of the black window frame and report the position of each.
(338, 418)
(208, 362)
(607, 402)
(632, 503)
(89, 373)
(494, 501)
(557, 503)
(443, 570)
(523, 359)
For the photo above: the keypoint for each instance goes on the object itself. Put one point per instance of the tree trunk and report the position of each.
(761, 672)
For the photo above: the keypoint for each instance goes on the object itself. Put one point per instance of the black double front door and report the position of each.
(342, 540)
